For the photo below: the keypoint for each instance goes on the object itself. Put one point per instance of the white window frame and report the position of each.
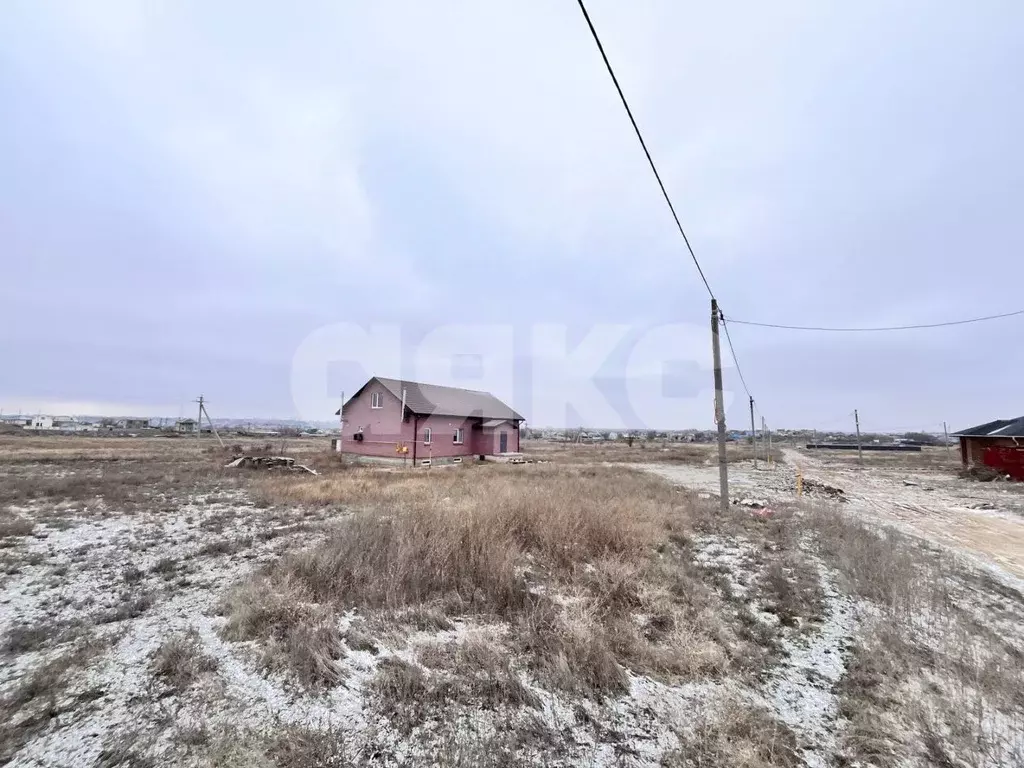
(459, 437)
(376, 400)
(426, 435)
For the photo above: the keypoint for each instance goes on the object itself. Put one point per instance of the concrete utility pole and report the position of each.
(199, 419)
(199, 422)
(945, 439)
(764, 431)
(723, 464)
(753, 432)
(860, 454)
(770, 465)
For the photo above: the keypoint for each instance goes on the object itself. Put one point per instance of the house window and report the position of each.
(459, 435)
(377, 400)
(426, 436)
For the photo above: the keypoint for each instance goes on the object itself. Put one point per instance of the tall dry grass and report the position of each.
(930, 671)
(474, 533)
(569, 556)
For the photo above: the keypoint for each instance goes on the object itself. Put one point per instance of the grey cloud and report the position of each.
(175, 173)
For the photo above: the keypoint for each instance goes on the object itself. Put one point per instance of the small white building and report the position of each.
(40, 422)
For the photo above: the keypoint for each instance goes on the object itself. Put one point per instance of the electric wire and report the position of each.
(735, 359)
(643, 144)
(917, 326)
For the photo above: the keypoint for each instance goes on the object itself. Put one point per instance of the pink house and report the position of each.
(405, 419)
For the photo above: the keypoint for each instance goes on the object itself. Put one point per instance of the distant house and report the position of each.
(15, 420)
(997, 444)
(132, 423)
(185, 425)
(42, 423)
(407, 419)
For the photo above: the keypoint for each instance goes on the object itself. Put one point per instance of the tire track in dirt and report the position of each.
(937, 506)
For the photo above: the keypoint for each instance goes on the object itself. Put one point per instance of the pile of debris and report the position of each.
(983, 474)
(817, 488)
(269, 462)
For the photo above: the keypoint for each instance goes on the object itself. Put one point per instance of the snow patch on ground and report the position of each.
(801, 689)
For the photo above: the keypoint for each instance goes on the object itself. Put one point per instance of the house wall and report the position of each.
(383, 427)
(442, 444)
(489, 441)
(973, 448)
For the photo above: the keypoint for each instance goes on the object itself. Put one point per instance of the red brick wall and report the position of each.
(977, 445)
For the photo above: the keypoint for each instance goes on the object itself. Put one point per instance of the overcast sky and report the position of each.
(203, 197)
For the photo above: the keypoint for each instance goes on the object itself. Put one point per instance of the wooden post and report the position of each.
(723, 465)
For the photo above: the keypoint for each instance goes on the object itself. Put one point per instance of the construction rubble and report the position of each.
(269, 462)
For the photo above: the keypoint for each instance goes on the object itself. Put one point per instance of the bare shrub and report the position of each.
(129, 606)
(128, 749)
(23, 638)
(402, 693)
(180, 661)
(167, 567)
(479, 674)
(226, 546)
(310, 651)
(472, 675)
(197, 735)
(793, 590)
(423, 617)
(299, 747)
(866, 694)
(572, 653)
(738, 735)
(15, 526)
(358, 638)
(878, 564)
(299, 636)
(29, 705)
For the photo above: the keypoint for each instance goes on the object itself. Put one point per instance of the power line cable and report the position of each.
(735, 360)
(643, 144)
(875, 330)
(661, 185)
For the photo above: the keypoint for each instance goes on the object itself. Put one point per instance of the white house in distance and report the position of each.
(41, 423)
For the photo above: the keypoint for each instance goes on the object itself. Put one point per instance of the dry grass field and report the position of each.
(159, 609)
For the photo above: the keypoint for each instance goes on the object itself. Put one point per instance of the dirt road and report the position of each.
(982, 521)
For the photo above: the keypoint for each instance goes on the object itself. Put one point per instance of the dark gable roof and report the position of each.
(428, 399)
(998, 428)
